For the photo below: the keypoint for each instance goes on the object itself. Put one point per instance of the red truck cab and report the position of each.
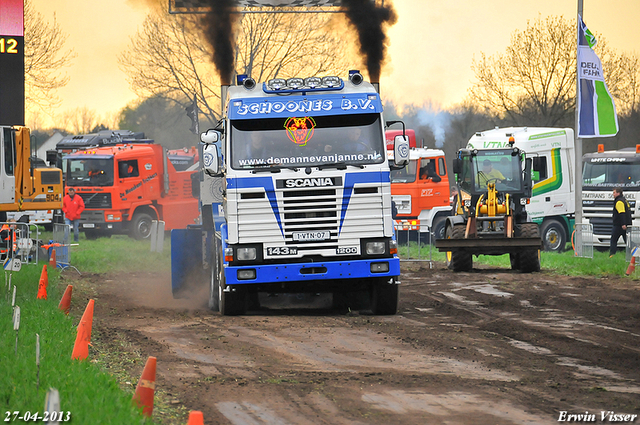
(420, 190)
(125, 187)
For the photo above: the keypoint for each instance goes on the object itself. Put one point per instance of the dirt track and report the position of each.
(488, 347)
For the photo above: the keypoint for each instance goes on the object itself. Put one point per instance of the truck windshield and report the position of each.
(610, 175)
(406, 174)
(495, 166)
(307, 141)
(89, 171)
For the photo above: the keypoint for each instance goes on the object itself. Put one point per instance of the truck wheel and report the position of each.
(437, 230)
(141, 226)
(554, 237)
(214, 286)
(529, 258)
(384, 296)
(457, 260)
(515, 261)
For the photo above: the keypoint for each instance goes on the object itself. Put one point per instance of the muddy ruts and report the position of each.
(370, 21)
(218, 24)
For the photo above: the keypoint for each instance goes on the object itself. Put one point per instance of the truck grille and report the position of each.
(315, 211)
(96, 200)
(310, 211)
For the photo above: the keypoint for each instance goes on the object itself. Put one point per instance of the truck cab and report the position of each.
(420, 192)
(124, 187)
(295, 196)
(603, 171)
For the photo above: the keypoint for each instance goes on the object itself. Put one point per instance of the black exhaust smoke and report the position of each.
(218, 25)
(370, 22)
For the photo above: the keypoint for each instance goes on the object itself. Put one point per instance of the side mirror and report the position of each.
(457, 165)
(210, 136)
(401, 151)
(527, 185)
(211, 159)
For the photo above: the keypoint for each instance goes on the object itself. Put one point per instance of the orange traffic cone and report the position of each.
(143, 396)
(632, 266)
(65, 302)
(52, 259)
(42, 285)
(81, 347)
(195, 418)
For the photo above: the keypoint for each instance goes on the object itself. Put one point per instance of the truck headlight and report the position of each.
(375, 248)
(246, 254)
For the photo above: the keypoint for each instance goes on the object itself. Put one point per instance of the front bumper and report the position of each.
(304, 272)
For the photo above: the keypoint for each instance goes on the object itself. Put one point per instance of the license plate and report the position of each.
(89, 225)
(311, 236)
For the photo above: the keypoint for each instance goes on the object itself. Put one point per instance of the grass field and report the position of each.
(564, 263)
(87, 392)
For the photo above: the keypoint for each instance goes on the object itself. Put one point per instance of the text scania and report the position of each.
(309, 182)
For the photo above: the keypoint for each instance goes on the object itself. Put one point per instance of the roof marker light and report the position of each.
(312, 82)
(601, 148)
(330, 81)
(277, 84)
(295, 83)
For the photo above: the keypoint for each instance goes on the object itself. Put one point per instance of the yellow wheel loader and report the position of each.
(489, 216)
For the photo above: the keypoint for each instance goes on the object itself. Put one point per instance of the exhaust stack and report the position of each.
(224, 89)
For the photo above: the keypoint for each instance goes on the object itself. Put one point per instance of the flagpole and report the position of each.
(578, 141)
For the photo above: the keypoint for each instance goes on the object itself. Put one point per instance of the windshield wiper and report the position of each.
(269, 169)
(339, 166)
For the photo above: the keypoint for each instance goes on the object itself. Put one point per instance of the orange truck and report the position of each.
(126, 186)
(184, 158)
(420, 191)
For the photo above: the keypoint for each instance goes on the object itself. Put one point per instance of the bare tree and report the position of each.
(80, 120)
(170, 58)
(534, 81)
(44, 59)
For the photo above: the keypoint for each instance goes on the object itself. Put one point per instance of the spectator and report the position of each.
(72, 207)
(621, 219)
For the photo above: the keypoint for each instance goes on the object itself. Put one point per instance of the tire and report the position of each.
(384, 297)
(529, 258)
(214, 286)
(458, 261)
(514, 259)
(141, 226)
(438, 229)
(554, 236)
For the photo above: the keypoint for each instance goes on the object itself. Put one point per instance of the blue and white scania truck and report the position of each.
(295, 196)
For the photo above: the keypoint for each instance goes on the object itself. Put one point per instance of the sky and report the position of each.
(430, 52)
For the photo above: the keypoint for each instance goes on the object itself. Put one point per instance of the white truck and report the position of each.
(552, 151)
(295, 196)
(602, 171)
